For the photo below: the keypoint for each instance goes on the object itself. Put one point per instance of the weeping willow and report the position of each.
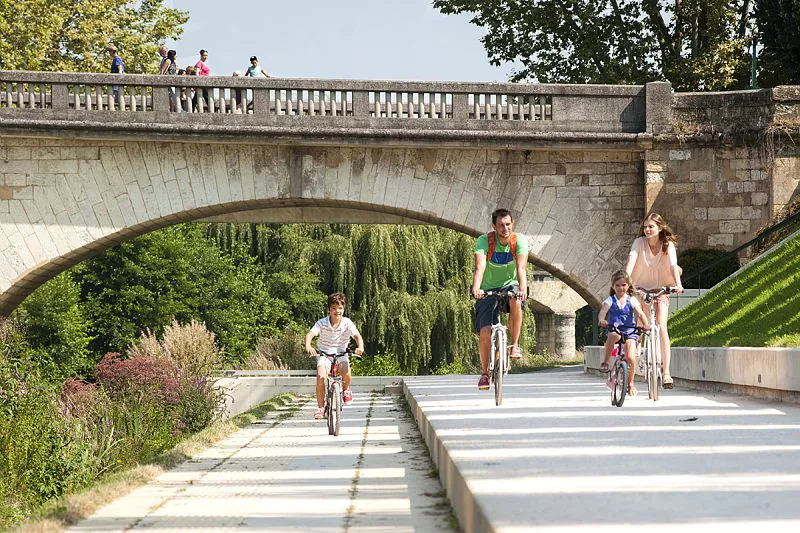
(407, 286)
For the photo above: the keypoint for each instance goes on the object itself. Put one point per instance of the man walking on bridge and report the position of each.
(501, 257)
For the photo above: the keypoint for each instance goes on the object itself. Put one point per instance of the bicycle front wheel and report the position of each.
(620, 383)
(338, 404)
(499, 369)
(653, 374)
(333, 410)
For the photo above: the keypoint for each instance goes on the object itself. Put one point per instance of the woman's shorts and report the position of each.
(326, 361)
(487, 310)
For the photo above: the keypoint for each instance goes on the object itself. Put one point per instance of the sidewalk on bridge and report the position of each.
(556, 456)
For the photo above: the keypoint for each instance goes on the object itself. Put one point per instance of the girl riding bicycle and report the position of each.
(621, 309)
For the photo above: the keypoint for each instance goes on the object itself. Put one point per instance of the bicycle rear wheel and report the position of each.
(620, 383)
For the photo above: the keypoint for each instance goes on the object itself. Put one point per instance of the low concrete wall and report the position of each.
(245, 392)
(772, 373)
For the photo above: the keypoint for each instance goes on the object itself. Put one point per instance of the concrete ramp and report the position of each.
(556, 456)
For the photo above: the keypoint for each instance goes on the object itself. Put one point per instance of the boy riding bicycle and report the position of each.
(501, 257)
(335, 331)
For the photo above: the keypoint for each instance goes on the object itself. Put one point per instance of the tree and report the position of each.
(54, 324)
(695, 44)
(176, 273)
(72, 35)
(779, 33)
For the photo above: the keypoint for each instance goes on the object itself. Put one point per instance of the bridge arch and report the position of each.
(70, 199)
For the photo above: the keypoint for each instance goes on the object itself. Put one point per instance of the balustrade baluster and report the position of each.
(201, 104)
(311, 108)
(122, 98)
(211, 101)
(133, 99)
(20, 97)
(189, 102)
(9, 99)
(300, 106)
(399, 106)
(110, 100)
(322, 107)
(290, 102)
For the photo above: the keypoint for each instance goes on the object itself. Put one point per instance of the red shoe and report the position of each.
(348, 397)
(484, 382)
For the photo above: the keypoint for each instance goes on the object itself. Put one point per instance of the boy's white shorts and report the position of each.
(325, 362)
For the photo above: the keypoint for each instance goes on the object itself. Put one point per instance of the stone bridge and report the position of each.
(84, 168)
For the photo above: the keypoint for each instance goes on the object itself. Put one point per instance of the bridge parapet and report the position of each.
(98, 100)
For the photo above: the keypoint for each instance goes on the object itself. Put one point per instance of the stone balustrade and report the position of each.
(32, 97)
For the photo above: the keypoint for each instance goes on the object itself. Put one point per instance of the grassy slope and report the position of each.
(758, 307)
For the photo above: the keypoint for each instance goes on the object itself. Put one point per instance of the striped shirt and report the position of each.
(333, 340)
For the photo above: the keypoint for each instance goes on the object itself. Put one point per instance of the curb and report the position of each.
(471, 516)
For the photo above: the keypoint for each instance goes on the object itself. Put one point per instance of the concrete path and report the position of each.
(375, 476)
(556, 456)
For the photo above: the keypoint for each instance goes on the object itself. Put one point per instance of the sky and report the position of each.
(344, 39)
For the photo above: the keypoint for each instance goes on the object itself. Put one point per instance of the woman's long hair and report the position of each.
(665, 233)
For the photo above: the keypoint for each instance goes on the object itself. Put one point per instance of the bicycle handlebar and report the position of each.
(652, 294)
(348, 352)
(501, 294)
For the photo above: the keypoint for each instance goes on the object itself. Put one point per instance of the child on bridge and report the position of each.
(335, 331)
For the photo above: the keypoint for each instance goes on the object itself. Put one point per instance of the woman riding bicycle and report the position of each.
(652, 264)
(621, 309)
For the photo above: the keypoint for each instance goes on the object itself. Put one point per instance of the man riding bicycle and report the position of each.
(501, 257)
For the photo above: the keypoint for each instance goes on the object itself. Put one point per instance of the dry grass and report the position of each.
(70, 509)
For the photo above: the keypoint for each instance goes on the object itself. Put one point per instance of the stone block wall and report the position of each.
(712, 196)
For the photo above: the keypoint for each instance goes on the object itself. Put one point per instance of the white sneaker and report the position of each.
(348, 397)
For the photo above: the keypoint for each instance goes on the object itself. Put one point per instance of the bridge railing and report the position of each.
(82, 96)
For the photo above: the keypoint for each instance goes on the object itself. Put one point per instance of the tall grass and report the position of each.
(757, 307)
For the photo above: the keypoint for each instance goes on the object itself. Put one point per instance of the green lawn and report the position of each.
(759, 307)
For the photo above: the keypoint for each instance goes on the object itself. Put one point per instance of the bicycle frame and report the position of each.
(651, 345)
(334, 393)
(618, 371)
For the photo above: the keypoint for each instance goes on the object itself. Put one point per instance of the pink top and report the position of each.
(652, 271)
(202, 69)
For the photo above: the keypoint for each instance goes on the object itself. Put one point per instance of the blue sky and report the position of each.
(348, 39)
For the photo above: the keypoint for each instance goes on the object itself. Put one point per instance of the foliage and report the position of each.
(779, 35)
(72, 35)
(754, 308)
(790, 340)
(376, 365)
(175, 273)
(55, 326)
(694, 260)
(695, 45)
(407, 286)
(138, 377)
(584, 325)
(280, 352)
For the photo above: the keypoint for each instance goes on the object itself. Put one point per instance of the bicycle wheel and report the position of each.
(655, 366)
(330, 408)
(620, 383)
(499, 369)
(337, 407)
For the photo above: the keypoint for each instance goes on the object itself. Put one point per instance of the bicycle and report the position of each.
(650, 362)
(618, 371)
(500, 362)
(334, 392)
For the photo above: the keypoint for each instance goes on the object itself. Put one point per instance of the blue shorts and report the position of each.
(487, 310)
(634, 335)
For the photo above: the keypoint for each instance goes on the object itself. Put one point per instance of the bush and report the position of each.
(282, 352)
(695, 259)
(378, 365)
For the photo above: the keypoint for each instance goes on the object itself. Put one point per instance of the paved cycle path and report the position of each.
(556, 456)
(293, 476)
